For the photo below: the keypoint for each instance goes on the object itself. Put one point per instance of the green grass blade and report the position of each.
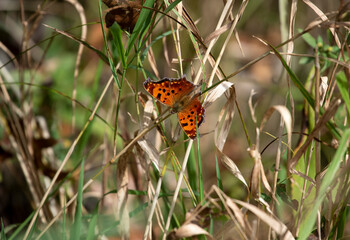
(218, 174)
(309, 39)
(192, 172)
(200, 171)
(110, 60)
(141, 24)
(21, 227)
(102, 56)
(77, 225)
(3, 235)
(30, 235)
(144, 53)
(118, 43)
(295, 79)
(92, 225)
(307, 225)
(141, 45)
(172, 5)
(342, 223)
(64, 224)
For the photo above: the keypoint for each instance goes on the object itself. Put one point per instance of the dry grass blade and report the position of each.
(223, 48)
(290, 49)
(276, 225)
(10, 54)
(14, 119)
(207, 55)
(155, 207)
(218, 32)
(153, 63)
(82, 16)
(177, 189)
(79, 41)
(183, 13)
(237, 216)
(121, 206)
(176, 35)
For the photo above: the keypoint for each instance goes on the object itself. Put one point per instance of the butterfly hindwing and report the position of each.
(188, 116)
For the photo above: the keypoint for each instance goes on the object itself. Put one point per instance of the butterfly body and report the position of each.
(179, 94)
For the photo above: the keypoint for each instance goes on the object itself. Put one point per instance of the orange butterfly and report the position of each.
(178, 94)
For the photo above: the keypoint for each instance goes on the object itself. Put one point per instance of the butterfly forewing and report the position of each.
(169, 91)
(189, 115)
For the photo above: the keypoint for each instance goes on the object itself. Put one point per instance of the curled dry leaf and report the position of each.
(251, 107)
(276, 225)
(216, 93)
(133, 120)
(237, 211)
(286, 116)
(189, 230)
(324, 18)
(147, 113)
(231, 166)
(121, 206)
(150, 150)
(222, 133)
(254, 178)
(292, 18)
(323, 88)
(258, 173)
(146, 145)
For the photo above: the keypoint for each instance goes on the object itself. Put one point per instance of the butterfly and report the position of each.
(179, 95)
